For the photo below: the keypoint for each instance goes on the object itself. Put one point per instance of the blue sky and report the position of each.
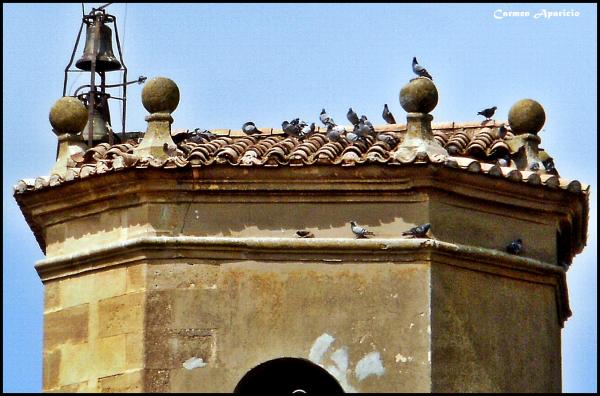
(269, 62)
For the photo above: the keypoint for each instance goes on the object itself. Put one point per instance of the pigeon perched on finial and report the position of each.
(359, 231)
(487, 113)
(304, 234)
(549, 166)
(352, 116)
(387, 115)
(418, 231)
(250, 129)
(515, 246)
(325, 119)
(420, 70)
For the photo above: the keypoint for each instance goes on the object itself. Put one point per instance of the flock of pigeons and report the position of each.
(515, 247)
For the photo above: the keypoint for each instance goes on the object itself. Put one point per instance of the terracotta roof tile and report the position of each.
(472, 146)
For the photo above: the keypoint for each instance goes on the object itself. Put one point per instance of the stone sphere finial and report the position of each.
(419, 96)
(526, 116)
(160, 95)
(68, 115)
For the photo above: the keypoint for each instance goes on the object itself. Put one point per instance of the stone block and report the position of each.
(136, 278)
(95, 286)
(109, 356)
(51, 295)
(51, 369)
(126, 382)
(76, 363)
(134, 353)
(68, 325)
(120, 315)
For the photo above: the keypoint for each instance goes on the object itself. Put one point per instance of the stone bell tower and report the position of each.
(174, 264)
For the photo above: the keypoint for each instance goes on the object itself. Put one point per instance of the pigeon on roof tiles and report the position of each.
(503, 161)
(334, 133)
(549, 166)
(325, 119)
(353, 137)
(291, 129)
(352, 116)
(534, 167)
(359, 231)
(387, 115)
(307, 130)
(364, 119)
(418, 231)
(420, 70)
(502, 131)
(487, 113)
(304, 234)
(250, 129)
(515, 247)
(389, 140)
(198, 136)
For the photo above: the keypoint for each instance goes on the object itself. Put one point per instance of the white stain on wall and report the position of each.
(369, 365)
(319, 347)
(194, 362)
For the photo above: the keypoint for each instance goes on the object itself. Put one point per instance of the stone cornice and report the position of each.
(334, 251)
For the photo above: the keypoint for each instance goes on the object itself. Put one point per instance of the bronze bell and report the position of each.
(105, 59)
(101, 120)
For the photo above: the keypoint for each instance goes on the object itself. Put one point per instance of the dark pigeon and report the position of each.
(250, 129)
(487, 113)
(304, 234)
(387, 116)
(325, 119)
(291, 128)
(418, 231)
(352, 116)
(515, 247)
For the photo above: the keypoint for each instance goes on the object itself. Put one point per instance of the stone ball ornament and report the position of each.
(160, 95)
(419, 96)
(526, 116)
(68, 115)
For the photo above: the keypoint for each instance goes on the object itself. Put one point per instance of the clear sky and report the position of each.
(269, 62)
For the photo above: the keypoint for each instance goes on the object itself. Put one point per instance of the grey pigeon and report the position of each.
(353, 137)
(308, 130)
(387, 115)
(515, 246)
(325, 119)
(359, 231)
(198, 136)
(418, 231)
(487, 113)
(250, 129)
(363, 118)
(503, 161)
(534, 167)
(420, 70)
(352, 116)
(389, 140)
(304, 234)
(334, 133)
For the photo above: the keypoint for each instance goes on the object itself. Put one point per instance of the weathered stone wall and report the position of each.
(93, 331)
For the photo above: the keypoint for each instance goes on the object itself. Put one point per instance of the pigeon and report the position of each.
(334, 133)
(250, 129)
(291, 129)
(502, 132)
(515, 246)
(359, 231)
(534, 167)
(363, 118)
(549, 166)
(503, 161)
(487, 113)
(171, 150)
(420, 70)
(198, 136)
(418, 231)
(389, 140)
(304, 234)
(352, 116)
(353, 137)
(387, 116)
(325, 119)
(307, 130)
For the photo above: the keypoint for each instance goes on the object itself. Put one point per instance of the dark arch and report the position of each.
(286, 375)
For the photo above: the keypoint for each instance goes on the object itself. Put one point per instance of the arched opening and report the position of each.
(288, 376)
